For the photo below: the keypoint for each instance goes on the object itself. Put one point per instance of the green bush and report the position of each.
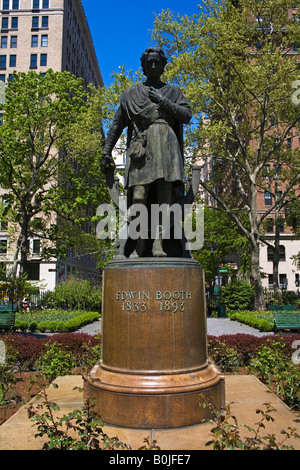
(239, 295)
(55, 362)
(74, 295)
(42, 326)
(33, 326)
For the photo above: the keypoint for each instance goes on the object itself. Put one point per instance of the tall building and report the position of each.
(39, 35)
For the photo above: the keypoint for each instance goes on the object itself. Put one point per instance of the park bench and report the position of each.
(7, 316)
(282, 308)
(286, 320)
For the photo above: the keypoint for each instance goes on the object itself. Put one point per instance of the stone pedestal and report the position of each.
(154, 365)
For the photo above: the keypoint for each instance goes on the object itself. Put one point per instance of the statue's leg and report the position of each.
(140, 196)
(164, 196)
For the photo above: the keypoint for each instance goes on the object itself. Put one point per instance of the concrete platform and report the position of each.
(245, 393)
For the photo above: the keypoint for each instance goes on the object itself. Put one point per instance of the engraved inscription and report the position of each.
(166, 301)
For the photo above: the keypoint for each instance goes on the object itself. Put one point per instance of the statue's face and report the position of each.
(153, 66)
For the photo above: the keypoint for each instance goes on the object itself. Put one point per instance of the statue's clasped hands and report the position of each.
(155, 96)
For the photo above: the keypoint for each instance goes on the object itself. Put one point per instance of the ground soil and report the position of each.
(20, 393)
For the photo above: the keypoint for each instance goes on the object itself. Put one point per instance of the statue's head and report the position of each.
(154, 50)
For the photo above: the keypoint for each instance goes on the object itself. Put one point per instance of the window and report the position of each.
(33, 61)
(13, 42)
(14, 22)
(277, 171)
(15, 5)
(269, 224)
(266, 171)
(45, 4)
(5, 4)
(33, 271)
(270, 281)
(270, 254)
(34, 40)
(43, 60)
(36, 4)
(45, 21)
(44, 42)
(3, 247)
(283, 283)
(282, 256)
(2, 77)
(4, 22)
(268, 199)
(35, 21)
(2, 61)
(280, 223)
(297, 280)
(3, 42)
(282, 253)
(13, 60)
(36, 247)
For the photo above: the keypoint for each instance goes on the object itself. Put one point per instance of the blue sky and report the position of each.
(120, 29)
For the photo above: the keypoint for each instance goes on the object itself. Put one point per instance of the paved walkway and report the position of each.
(215, 327)
(244, 393)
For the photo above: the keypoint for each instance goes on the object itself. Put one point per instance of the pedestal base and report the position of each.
(154, 366)
(155, 402)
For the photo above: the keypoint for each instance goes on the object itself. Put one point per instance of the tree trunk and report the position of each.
(24, 245)
(259, 302)
(276, 254)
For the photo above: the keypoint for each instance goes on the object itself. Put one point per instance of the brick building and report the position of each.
(39, 35)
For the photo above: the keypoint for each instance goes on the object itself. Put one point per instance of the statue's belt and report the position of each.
(145, 127)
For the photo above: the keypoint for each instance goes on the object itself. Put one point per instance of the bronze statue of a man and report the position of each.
(154, 113)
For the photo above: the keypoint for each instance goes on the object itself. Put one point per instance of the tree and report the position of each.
(221, 240)
(43, 168)
(237, 64)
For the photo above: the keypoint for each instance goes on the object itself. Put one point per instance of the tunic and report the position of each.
(155, 134)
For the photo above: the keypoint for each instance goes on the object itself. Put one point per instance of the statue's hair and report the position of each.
(156, 49)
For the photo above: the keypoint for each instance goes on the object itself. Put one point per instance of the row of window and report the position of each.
(34, 41)
(283, 282)
(13, 62)
(13, 42)
(282, 256)
(35, 246)
(43, 39)
(15, 4)
(15, 22)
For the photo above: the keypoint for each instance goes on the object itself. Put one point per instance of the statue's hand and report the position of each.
(106, 163)
(155, 96)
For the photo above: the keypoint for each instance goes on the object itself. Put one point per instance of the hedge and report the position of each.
(251, 319)
(54, 326)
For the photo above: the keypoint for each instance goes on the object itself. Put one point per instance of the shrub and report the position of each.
(246, 346)
(55, 362)
(24, 351)
(33, 326)
(225, 357)
(239, 295)
(74, 294)
(42, 326)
